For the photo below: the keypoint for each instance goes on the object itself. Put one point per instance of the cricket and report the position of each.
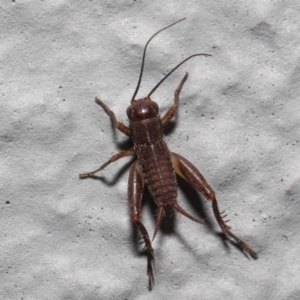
(157, 167)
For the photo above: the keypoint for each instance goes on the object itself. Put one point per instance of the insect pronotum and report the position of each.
(157, 167)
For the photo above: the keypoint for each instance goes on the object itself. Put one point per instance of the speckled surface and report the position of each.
(238, 122)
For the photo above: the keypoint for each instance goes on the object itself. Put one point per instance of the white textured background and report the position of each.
(65, 238)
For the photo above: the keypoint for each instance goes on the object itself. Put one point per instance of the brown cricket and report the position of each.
(157, 167)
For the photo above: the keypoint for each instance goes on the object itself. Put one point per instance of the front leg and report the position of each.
(123, 128)
(190, 173)
(135, 195)
(172, 111)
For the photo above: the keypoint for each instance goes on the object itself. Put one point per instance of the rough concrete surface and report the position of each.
(238, 122)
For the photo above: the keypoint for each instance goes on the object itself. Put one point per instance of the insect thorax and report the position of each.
(146, 131)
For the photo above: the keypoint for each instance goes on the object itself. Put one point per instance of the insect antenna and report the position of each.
(175, 68)
(144, 55)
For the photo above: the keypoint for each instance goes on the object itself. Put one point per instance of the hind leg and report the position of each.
(190, 173)
(135, 194)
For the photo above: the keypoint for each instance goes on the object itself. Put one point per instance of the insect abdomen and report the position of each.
(154, 159)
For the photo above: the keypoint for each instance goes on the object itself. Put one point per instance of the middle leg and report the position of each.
(112, 159)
